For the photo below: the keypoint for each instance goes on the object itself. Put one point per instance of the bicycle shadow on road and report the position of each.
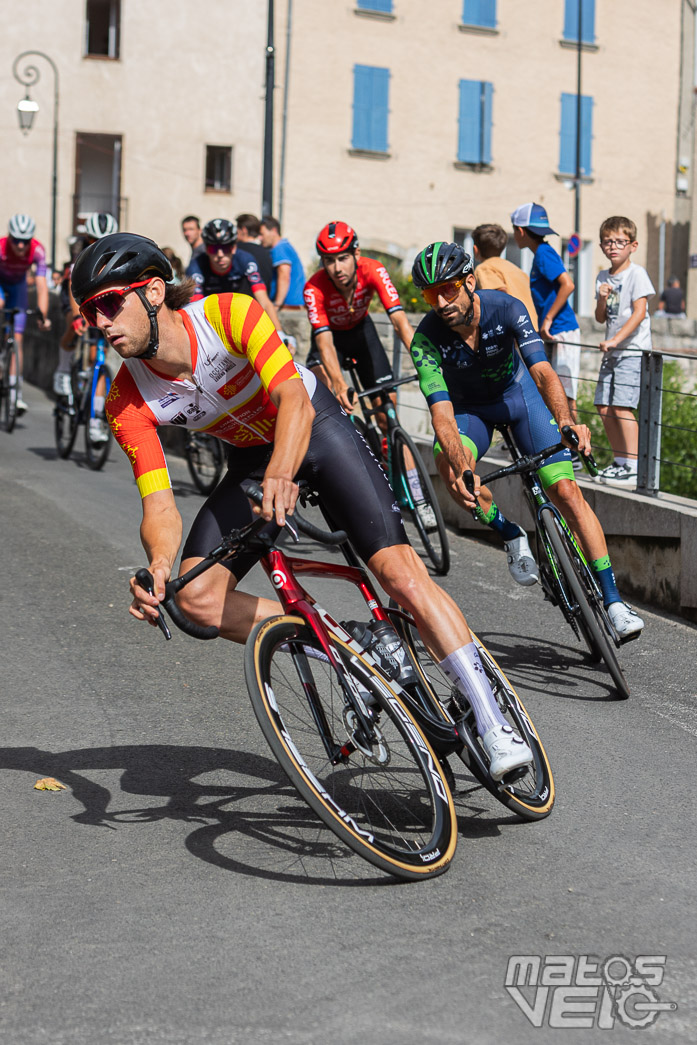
(554, 668)
(250, 819)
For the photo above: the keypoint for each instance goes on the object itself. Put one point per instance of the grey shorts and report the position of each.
(619, 380)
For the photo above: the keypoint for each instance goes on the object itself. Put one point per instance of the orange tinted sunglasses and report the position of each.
(448, 291)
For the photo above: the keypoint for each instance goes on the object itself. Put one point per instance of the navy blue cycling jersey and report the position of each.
(449, 369)
(243, 276)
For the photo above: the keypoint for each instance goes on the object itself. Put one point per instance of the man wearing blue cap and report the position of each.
(551, 286)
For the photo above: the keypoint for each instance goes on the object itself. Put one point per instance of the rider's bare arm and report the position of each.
(330, 362)
(459, 457)
(403, 327)
(291, 440)
(160, 535)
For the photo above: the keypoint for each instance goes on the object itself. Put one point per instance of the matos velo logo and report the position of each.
(568, 992)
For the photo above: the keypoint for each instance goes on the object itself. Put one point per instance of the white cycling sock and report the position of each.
(415, 484)
(464, 668)
(98, 406)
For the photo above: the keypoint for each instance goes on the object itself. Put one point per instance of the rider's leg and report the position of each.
(212, 599)
(443, 628)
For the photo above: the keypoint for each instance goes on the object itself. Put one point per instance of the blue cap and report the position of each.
(533, 217)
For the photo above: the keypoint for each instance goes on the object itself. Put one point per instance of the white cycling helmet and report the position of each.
(100, 224)
(21, 226)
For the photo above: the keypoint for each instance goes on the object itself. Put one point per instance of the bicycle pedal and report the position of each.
(514, 776)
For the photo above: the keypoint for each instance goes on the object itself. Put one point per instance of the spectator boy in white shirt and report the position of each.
(622, 294)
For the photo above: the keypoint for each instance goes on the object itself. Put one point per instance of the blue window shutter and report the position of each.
(587, 20)
(370, 107)
(567, 134)
(586, 133)
(487, 100)
(480, 12)
(469, 130)
(376, 5)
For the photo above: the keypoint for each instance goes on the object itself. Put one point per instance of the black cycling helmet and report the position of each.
(121, 257)
(219, 232)
(439, 262)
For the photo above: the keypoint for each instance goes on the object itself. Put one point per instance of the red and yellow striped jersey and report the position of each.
(237, 359)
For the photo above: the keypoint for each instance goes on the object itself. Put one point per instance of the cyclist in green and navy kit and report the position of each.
(481, 363)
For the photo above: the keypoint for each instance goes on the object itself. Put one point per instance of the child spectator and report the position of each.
(551, 286)
(622, 293)
(496, 273)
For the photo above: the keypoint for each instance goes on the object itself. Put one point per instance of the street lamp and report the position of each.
(27, 109)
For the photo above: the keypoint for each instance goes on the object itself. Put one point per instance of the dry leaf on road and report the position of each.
(47, 783)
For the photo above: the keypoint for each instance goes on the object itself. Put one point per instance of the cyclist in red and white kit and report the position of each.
(337, 299)
(19, 251)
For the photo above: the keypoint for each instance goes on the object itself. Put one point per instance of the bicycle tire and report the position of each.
(435, 542)
(388, 800)
(97, 452)
(10, 391)
(205, 460)
(591, 613)
(532, 796)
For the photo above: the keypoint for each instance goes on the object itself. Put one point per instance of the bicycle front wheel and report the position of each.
(425, 512)
(10, 388)
(204, 457)
(532, 795)
(584, 593)
(380, 789)
(98, 441)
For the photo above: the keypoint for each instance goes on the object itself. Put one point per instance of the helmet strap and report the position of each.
(154, 342)
(469, 316)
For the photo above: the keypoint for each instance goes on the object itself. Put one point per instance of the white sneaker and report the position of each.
(618, 474)
(427, 517)
(99, 432)
(626, 622)
(61, 383)
(522, 566)
(21, 406)
(506, 750)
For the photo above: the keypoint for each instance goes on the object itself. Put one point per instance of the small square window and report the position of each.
(102, 28)
(218, 168)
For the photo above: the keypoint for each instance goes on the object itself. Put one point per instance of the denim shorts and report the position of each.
(619, 380)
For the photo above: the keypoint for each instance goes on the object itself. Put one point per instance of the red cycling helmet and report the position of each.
(336, 238)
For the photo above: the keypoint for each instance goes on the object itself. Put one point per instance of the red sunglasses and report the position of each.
(213, 248)
(108, 302)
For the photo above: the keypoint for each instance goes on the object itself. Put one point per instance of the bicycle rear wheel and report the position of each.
(380, 791)
(204, 457)
(532, 795)
(97, 450)
(591, 612)
(434, 538)
(10, 388)
(66, 417)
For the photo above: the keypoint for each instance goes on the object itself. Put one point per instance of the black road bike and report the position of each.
(393, 451)
(205, 460)
(77, 408)
(566, 578)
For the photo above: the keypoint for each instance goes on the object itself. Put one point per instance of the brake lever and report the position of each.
(146, 582)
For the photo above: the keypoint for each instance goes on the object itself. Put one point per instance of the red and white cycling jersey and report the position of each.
(328, 310)
(237, 359)
(13, 269)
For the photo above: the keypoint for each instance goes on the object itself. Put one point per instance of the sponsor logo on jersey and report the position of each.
(179, 419)
(221, 369)
(169, 399)
(236, 383)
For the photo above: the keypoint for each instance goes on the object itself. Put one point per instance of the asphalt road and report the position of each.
(177, 891)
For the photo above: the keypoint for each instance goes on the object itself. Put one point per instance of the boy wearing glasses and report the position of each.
(622, 294)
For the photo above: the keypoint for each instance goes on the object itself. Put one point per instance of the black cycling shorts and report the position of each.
(353, 489)
(363, 344)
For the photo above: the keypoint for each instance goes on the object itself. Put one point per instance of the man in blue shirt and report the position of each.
(288, 285)
(551, 286)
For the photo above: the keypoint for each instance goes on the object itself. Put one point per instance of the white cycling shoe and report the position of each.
(61, 383)
(521, 564)
(427, 517)
(99, 432)
(506, 750)
(626, 622)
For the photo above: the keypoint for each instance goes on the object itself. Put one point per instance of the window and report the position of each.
(567, 134)
(371, 87)
(97, 177)
(375, 5)
(102, 22)
(571, 8)
(480, 12)
(474, 129)
(218, 168)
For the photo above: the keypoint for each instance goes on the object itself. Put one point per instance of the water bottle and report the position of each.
(383, 643)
